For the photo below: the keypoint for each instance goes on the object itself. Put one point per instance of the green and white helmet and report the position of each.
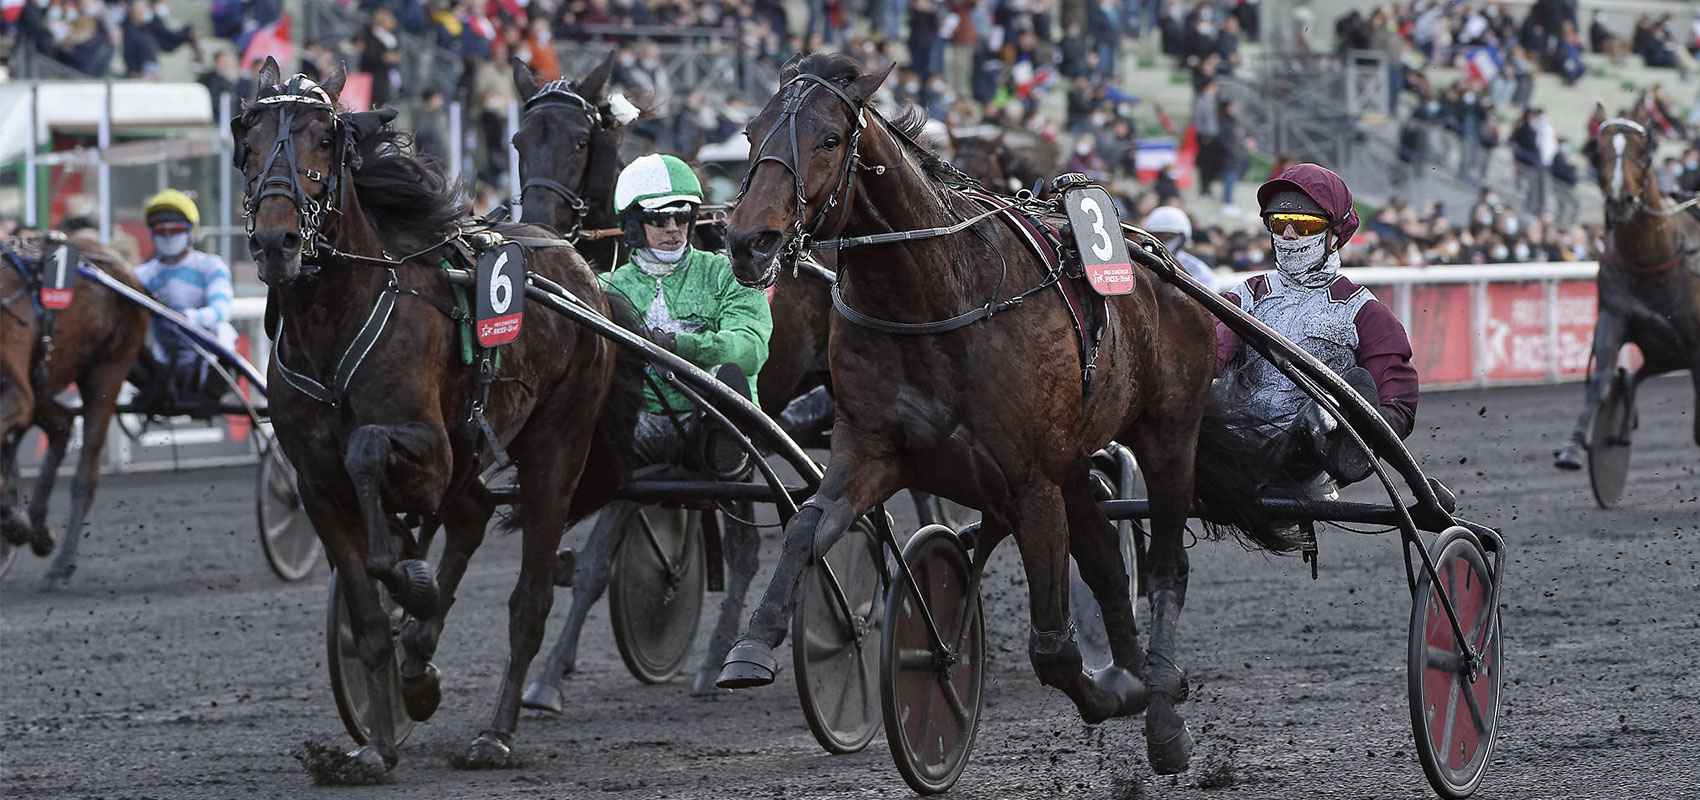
(656, 181)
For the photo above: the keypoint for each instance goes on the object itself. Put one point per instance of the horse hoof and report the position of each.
(544, 697)
(1568, 455)
(369, 759)
(749, 664)
(421, 693)
(488, 752)
(1129, 690)
(1168, 742)
(54, 580)
(704, 686)
(416, 589)
(14, 529)
(41, 544)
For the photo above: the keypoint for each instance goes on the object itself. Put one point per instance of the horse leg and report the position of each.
(549, 473)
(1040, 525)
(13, 525)
(372, 451)
(742, 545)
(856, 480)
(421, 682)
(373, 644)
(591, 573)
(55, 422)
(99, 391)
(1609, 333)
(1166, 451)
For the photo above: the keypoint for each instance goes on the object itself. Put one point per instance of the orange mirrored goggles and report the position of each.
(1303, 224)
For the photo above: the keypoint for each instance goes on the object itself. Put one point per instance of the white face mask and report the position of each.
(1306, 260)
(1173, 243)
(170, 245)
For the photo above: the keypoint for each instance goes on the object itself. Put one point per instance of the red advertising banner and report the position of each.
(1441, 333)
(1517, 346)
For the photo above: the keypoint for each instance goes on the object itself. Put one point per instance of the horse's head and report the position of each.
(295, 151)
(802, 164)
(568, 143)
(1623, 158)
(982, 158)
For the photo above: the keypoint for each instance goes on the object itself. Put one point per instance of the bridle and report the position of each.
(297, 94)
(561, 94)
(797, 91)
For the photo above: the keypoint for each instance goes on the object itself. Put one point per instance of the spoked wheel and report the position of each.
(1454, 708)
(286, 534)
(835, 641)
(656, 592)
(1609, 439)
(934, 510)
(931, 694)
(348, 675)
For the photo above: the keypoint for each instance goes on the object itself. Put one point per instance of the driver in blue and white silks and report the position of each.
(1308, 211)
(189, 281)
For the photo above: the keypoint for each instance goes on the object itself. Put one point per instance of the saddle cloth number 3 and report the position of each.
(501, 294)
(1097, 237)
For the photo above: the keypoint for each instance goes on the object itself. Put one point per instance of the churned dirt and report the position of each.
(176, 665)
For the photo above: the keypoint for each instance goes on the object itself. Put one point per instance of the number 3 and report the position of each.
(501, 286)
(1090, 206)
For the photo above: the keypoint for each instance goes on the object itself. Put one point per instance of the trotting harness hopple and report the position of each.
(1024, 215)
(464, 245)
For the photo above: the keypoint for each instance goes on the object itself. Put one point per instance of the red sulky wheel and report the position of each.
(1454, 709)
(932, 696)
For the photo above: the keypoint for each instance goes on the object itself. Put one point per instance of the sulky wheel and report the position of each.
(835, 641)
(931, 693)
(8, 554)
(286, 534)
(1609, 440)
(1454, 708)
(348, 675)
(656, 592)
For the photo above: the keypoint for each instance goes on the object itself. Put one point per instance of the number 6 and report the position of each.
(501, 286)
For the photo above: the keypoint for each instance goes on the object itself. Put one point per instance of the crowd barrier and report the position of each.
(1470, 326)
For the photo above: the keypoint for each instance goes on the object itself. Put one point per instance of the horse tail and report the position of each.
(613, 452)
(1239, 460)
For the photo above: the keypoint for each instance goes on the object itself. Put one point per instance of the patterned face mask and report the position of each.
(170, 245)
(1305, 260)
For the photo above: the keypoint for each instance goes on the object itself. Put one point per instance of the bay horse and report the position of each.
(375, 409)
(1649, 279)
(988, 406)
(93, 343)
(982, 158)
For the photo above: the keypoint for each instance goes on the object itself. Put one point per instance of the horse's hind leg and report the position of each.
(591, 573)
(1609, 333)
(742, 545)
(1040, 524)
(100, 396)
(55, 422)
(17, 403)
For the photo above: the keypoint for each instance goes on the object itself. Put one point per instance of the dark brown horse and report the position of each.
(569, 156)
(374, 407)
(1649, 281)
(94, 342)
(994, 413)
(982, 158)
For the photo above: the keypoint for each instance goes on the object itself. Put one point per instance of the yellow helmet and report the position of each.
(172, 200)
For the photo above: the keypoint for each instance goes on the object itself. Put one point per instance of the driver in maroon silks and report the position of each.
(1308, 210)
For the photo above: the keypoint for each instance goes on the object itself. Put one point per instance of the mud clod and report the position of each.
(330, 766)
(1218, 770)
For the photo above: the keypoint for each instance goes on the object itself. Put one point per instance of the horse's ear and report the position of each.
(525, 81)
(792, 66)
(864, 87)
(362, 124)
(594, 85)
(333, 84)
(270, 73)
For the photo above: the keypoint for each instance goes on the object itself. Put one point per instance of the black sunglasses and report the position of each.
(659, 218)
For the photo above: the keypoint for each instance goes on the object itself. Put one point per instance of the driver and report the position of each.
(187, 280)
(1308, 210)
(688, 300)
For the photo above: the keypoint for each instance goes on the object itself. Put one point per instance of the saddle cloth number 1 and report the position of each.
(501, 294)
(58, 275)
(1098, 239)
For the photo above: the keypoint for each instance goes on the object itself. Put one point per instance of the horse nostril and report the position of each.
(764, 242)
(291, 242)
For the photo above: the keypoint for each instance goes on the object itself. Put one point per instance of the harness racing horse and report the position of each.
(1649, 280)
(379, 415)
(958, 379)
(93, 342)
(982, 158)
(569, 156)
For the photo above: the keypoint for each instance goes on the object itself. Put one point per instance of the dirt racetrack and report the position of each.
(176, 665)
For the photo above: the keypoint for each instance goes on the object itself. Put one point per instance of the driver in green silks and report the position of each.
(688, 300)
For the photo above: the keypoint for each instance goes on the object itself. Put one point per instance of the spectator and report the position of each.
(1086, 159)
(1562, 170)
(430, 127)
(146, 36)
(220, 80)
(380, 57)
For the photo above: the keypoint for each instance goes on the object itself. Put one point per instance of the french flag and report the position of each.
(1484, 62)
(10, 10)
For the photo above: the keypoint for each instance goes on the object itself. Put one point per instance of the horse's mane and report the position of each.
(409, 202)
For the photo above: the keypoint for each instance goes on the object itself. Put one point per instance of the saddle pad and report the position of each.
(58, 275)
(501, 294)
